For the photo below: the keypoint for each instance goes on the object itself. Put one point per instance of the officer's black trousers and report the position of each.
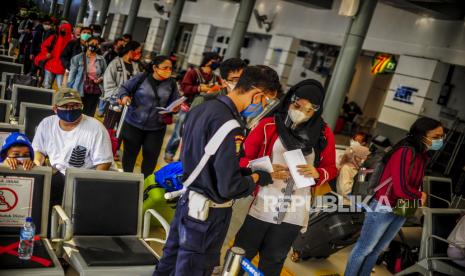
(271, 241)
(134, 138)
(193, 246)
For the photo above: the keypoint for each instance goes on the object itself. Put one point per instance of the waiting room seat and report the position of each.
(438, 224)
(439, 190)
(44, 261)
(105, 208)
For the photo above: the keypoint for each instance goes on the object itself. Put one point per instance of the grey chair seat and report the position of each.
(454, 265)
(114, 251)
(8, 261)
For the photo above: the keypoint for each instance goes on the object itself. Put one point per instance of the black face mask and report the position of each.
(92, 48)
(62, 33)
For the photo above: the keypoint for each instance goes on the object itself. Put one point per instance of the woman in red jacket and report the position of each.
(49, 56)
(271, 226)
(405, 167)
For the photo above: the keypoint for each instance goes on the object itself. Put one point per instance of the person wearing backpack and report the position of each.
(196, 81)
(49, 57)
(400, 182)
(119, 70)
(143, 125)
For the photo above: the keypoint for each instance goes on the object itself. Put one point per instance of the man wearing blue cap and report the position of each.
(17, 150)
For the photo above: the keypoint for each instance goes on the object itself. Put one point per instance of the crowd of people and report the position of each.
(94, 82)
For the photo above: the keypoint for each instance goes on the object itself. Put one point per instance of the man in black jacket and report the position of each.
(74, 47)
(41, 32)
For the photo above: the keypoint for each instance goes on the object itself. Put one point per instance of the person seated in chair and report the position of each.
(457, 237)
(17, 151)
(350, 163)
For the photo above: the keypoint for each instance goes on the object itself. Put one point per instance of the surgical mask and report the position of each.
(92, 48)
(163, 74)
(136, 56)
(215, 65)
(230, 85)
(354, 143)
(69, 115)
(85, 36)
(22, 159)
(297, 116)
(252, 110)
(436, 144)
(47, 27)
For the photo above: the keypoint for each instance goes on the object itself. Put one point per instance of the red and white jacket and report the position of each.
(261, 142)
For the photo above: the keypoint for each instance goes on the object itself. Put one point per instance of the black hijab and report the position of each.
(307, 136)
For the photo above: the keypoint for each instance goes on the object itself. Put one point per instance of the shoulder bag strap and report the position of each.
(210, 149)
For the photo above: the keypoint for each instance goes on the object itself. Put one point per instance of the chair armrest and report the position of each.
(58, 212)
(448, 202)
(440, 239)
(152, 213)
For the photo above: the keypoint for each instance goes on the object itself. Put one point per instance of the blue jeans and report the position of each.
(50, 77)
(102, 105)
(175, 138)
(379, 229)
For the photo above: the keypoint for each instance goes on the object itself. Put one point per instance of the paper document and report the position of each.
(262, 164)
(294, 158)
(169, 109)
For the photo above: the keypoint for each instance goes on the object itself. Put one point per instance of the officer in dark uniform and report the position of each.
(193, 246)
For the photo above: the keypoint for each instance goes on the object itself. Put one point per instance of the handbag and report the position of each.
(404, 207)
(90, 87)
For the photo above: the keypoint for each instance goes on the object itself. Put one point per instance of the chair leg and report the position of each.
(411, 269)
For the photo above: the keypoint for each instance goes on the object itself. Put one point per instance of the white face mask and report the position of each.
(22, 159)
(47, 27)
(297, 116)
(230, 85)
(354, 143)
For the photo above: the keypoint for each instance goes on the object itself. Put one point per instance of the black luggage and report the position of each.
(327, 233)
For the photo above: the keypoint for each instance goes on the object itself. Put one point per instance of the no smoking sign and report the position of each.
(8, 199)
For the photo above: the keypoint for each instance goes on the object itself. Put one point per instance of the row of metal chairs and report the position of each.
(99, 229)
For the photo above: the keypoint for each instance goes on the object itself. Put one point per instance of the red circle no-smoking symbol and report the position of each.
(8, 199)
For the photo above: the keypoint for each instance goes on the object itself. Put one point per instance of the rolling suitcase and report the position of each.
(327, 233)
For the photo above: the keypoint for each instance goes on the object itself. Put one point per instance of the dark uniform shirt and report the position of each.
(221, 179)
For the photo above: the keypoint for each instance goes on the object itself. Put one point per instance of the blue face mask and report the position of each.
(252, 110)
(69, 115)
(436, 144)
(215, 65)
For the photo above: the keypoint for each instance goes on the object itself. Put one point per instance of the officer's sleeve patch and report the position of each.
(239, 139)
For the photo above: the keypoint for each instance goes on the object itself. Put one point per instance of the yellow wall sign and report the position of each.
(383, 64)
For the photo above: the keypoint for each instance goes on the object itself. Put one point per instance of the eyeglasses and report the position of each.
(70, 106)
(313, 107)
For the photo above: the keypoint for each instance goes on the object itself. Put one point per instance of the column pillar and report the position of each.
(281, 54)
(132, 15)
(239, 29)
(82, 11)
(66, 7)
(202, 41)
(172, 27)
(345, 64)
(116, 26)
(102, 16)
(155, 35)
